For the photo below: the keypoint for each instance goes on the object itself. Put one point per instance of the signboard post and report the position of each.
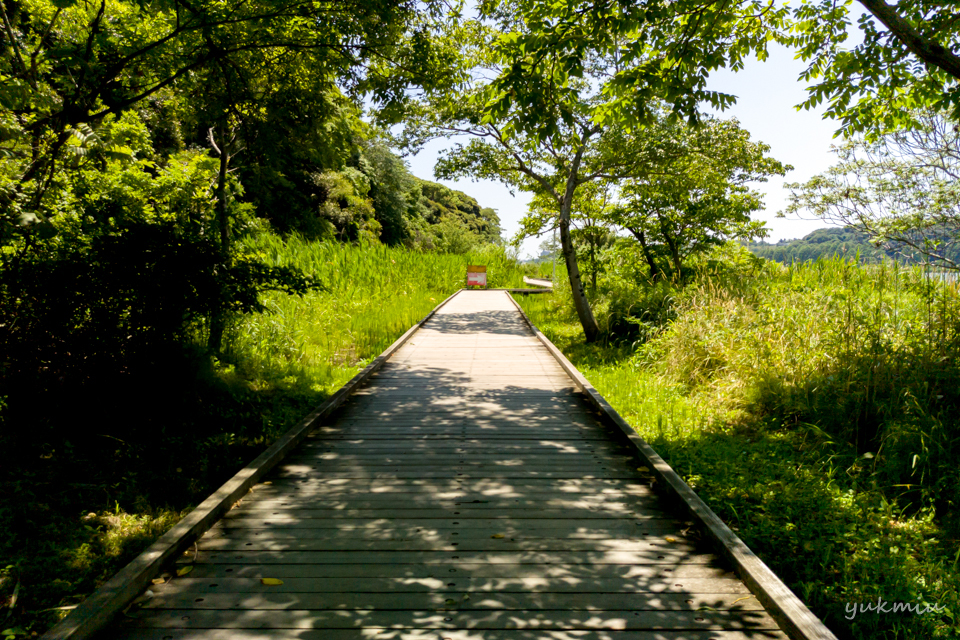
(476, 276)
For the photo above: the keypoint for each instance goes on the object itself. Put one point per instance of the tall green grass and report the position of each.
(372, 294)
(815, 408)
(80, 519)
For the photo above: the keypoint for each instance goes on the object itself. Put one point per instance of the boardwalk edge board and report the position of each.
(97, 610)
(783, 605)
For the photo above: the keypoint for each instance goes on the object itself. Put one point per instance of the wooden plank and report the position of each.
(493, 403)
(439, 421)
(501, 433)
(794, 616)
(320, 468)
(322, 465)
(584, 514)
(621, 529)
(277, 493)
(479, 427)
(479, 506)
(470, 386)
(442, 543)
(466, 474)
(450, 599)
(491, 469)
(505, 432)
(642, 522)
(660, 538)
(451, 559)
(98, 608)
(512, 619)
(474, 446)
(452, 393)
(728, 585)
(453, 457)
(481, 486)
(372, 633)
(653, 578)
(470, 445)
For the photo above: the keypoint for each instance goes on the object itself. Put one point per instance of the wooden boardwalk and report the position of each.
(466, 493)
(538, 282)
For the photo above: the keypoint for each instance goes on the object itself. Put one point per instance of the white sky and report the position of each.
(766, 91)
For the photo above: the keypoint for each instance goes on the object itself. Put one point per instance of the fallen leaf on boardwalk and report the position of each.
(497, 536)
(158, 581)
(182, 571)
(271, 582)
(450, 602)
(644, 469)
(669, 539)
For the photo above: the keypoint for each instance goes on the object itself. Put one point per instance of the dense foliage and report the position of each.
(905, 59)
(822, 243)
(153, 328)
(94, 467)
(141, 142)
(813, 407)
(835, 242)
(901, 188)
(202, 232)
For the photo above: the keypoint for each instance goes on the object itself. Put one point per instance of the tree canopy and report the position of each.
(906, 60)
(902, 189)
(698, 196)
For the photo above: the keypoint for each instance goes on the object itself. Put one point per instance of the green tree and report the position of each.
(902, 189)
(906, 60)
(68, 65)
(590, 229)
(698, 196)
(573, 85)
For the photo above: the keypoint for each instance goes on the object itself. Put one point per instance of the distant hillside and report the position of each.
(439, 202)
(826, 243)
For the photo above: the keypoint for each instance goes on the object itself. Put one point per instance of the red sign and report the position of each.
(476, 276)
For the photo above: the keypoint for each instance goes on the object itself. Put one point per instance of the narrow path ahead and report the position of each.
(538, 282)
(466, 493)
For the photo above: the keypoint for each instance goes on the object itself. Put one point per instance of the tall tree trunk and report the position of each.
(674, 249)
(218, 317)
(655, 273)
(924, 47)
(590, 327)
(223, 225)
(591, 330)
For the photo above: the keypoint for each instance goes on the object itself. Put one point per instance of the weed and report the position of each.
(814, 407)
(75, 510)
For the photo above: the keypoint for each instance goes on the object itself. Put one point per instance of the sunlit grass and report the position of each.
(815, 409)
(372, 294)
(69, 526)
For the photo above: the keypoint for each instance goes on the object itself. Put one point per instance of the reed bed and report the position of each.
(371, 295)
(816, 408)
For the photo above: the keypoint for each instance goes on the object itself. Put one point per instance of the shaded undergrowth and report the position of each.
(94, 467)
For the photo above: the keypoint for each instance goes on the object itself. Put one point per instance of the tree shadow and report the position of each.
(468, 492)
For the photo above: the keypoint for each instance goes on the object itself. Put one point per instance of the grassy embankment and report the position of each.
(815, 408)
(74, 514)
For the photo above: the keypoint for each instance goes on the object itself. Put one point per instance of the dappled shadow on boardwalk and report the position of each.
(466, 492)
(493, 323)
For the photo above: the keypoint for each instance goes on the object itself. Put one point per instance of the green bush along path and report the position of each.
(87, 482)
(813, 407)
